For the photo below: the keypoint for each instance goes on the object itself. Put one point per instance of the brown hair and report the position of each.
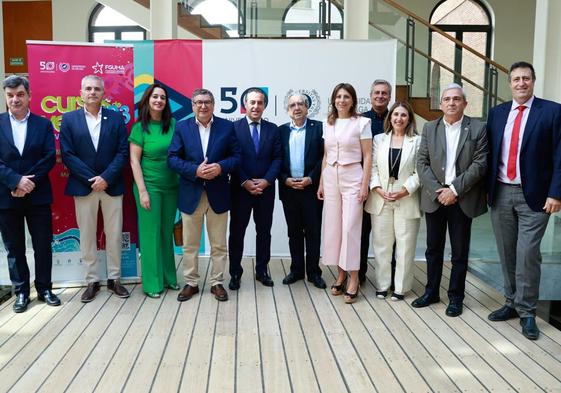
(411, 128)
(333, 114)
(144, 109)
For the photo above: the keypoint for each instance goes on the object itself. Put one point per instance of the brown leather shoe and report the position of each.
(116, 287)
(187, 293)
(89, 293)
(219, 292)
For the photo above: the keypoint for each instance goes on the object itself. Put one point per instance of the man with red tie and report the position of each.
(524, 188)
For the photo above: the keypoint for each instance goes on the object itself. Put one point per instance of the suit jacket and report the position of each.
(84, 162)
(186, 154)
(471, 165)
(407, 177)
(264, 165)
(37, 159)
(313, 155)
(540, 152)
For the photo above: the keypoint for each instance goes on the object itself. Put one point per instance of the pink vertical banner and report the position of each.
(55, 73)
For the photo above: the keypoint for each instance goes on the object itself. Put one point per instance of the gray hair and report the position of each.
(454, 86)
(94, 77)
(301, 96)
(380, 82)
(14, 81)
(203, 92)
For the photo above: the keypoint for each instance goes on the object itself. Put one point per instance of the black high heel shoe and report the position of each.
(337, 290)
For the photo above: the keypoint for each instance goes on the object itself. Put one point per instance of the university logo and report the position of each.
(64, 67)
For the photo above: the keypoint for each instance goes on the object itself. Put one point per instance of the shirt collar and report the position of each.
(201, 124)
(293, 127)
(249, 121)
(382, 116)
(455, 124)
(22, 120)
(98, 117)
(527, 104)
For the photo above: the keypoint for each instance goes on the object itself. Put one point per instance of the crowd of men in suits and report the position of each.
(512, 164)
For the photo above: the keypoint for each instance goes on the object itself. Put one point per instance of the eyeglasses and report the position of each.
(200, 103)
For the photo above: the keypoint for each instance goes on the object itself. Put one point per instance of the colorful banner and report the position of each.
(55, 74)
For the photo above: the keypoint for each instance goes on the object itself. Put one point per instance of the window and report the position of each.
(302, 19)
(107, 24)
(468, 21)
(218, 12)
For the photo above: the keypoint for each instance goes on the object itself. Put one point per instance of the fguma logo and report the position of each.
(100, 68)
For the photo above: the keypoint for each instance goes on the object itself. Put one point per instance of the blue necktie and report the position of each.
(255, 136)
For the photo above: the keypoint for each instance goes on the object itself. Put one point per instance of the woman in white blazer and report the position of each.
(393, 202)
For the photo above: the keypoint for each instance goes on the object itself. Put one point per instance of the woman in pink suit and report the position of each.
(344, 186)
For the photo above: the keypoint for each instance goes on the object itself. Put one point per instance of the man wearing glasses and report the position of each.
(204, 151)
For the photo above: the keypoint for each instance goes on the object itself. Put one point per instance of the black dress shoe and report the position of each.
(317, 281)
(529, 328)
(265, 279)
(234, 284)
(48, 297)
(503, 314)
(454, 309)
(21, 303)
(291, 278)
(424, 301)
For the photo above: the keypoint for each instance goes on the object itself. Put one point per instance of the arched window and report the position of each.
(468, 21)
(108, 24)
(302, 19)
(218, 12)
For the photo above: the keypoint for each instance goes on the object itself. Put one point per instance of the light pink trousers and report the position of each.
(342, 220)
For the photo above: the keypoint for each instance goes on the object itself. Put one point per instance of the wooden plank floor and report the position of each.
(283, 339)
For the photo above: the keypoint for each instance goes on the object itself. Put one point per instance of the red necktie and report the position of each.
(513, 151)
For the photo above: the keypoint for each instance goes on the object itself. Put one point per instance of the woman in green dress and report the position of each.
(155, 190)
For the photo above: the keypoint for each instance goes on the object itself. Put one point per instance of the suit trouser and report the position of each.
(391, 228)
(155, 229)
(243, 203)
(459, 230)
(302, 211)
(365, 245)
(217, 224)
(518, 231)
(39, 223)
(87, 208)
(342, 223)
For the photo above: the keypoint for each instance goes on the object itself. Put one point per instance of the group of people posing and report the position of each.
(343, 178)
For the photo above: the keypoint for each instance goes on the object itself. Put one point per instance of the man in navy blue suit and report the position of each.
(94, 148)
(27, 154)
(524, 188)
(302, 148)
(253, 187)
(204, 152)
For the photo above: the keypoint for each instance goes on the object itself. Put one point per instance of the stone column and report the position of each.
(163, 19)
(547, 49)
(355, 22)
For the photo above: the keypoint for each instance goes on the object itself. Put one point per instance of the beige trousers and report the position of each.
(387, 228)
(87, 208)
(192, 232)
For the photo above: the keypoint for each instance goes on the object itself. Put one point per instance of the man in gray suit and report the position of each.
(451, 164)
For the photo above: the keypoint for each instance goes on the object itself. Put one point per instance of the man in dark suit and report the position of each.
(524, 188)
(94, 148)
(27, 154)
(380, 96)
(253, 187)
(302, 148)
(451, 163)
(204, 152)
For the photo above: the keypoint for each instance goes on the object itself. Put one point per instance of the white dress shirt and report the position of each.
(19, 131)
(94, 126)
(204, 133)
(507, 136)
(452, 138)
(249, 121)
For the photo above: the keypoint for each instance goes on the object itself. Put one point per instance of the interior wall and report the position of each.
(71, 18)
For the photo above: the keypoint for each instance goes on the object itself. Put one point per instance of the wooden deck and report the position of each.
(285, 339)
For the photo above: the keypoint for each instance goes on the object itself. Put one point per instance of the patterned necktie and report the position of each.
(513, 150)
(255, 136)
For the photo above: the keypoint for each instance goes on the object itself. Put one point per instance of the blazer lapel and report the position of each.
(196, 138)
(535, 113)
(441, 138)
(7, 129)
(309, 126)
(83, 125)
(384, 151)
(30, 134)
(262, 136)
(464, 132)
(405, 152)
(499, 126)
